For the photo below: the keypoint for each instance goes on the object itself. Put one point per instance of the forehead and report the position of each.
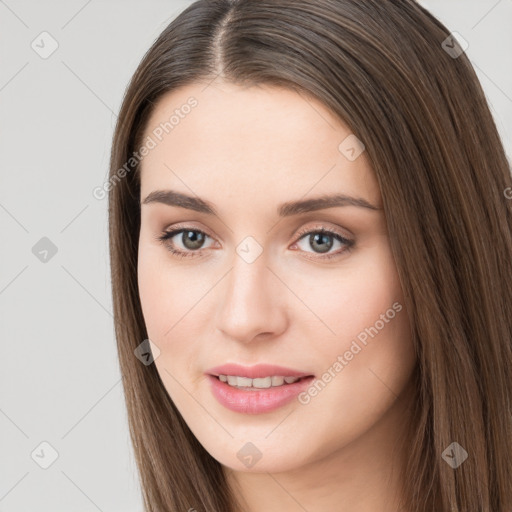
(267, 143)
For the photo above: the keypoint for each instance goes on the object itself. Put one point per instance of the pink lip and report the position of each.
(253, 400)
(255, 372)
(256, 401)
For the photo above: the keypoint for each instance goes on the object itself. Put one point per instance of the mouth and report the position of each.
(248, 384)
(257, 396)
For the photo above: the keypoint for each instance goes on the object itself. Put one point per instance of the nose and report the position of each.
(252, 301)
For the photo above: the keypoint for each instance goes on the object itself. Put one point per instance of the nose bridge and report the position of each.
(248, 279)
(248, 305)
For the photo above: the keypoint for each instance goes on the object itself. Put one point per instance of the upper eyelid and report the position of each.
(326, 225)
(299, 233)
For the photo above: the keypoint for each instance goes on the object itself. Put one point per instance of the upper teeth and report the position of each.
(265, 382)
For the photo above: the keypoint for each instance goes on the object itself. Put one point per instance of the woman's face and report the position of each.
(259, 285)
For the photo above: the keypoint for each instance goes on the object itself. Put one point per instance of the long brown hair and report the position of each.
(386, 70)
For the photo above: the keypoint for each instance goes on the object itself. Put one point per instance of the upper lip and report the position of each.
(256, 371)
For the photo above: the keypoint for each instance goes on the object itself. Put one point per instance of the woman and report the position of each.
(311, 257)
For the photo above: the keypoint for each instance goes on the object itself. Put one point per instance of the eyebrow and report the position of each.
(173, 198)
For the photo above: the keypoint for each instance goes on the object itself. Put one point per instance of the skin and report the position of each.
(246, 150)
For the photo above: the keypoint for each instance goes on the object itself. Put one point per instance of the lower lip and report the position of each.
(255, 400)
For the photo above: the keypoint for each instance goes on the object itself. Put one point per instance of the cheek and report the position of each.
(169, 299)
(175, 306)
(153, 292)
(354, 299)
(367, 342)
(167, 291)
(369, 359)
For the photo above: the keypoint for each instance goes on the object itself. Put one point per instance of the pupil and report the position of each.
(193, 239)
(324, 239)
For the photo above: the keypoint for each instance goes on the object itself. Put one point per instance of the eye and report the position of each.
(192, 240)
(323, 239)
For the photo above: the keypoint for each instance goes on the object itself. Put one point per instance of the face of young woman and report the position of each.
(254, 281)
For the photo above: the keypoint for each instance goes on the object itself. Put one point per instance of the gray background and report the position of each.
(60, 381)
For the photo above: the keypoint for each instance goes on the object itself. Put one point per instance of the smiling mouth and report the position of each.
(260, 396)
(246, 383)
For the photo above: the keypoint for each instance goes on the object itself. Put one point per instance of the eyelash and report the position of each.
(165, 236)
